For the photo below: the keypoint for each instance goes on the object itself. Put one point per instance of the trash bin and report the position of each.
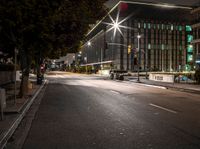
(121, 77)
(39, 79)
(111, 76)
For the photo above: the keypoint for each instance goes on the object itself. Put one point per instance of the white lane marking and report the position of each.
(163, 108)
(114, 92)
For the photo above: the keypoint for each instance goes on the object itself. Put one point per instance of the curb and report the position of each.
(169, 88)
(150, 85)
(11, 130)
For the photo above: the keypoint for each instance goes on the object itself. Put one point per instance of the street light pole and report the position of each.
(138, 62)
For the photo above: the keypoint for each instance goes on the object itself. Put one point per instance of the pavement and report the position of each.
(190, 87)
(16, 109)
(13, 118)
(182, 86)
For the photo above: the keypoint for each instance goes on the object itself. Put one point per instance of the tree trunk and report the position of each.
(25, 67)
(24, 86)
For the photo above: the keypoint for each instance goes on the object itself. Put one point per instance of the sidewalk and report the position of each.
(15, 111)
(187, 87)
(184, 86)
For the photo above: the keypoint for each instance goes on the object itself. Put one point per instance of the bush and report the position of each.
(197, 76)
(7, 67)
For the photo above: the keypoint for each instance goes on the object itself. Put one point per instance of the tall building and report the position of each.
(164, 42)
(196, 32)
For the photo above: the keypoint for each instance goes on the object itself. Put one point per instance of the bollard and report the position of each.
(2, 101)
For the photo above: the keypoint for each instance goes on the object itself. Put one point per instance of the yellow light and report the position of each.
(129, 49)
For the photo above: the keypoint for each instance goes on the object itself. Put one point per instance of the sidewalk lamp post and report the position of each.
(138, 62)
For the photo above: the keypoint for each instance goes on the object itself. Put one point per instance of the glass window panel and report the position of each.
(189, 38)
(188, 28)
(190, 48)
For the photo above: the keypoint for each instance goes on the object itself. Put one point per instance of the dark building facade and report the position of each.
(165, 42)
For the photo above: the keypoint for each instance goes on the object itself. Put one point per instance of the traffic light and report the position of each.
(129, 49)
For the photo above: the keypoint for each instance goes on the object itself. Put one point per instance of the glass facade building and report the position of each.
(165, 42)
(196, 35)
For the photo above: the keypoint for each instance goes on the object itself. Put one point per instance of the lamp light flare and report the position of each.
(89, 43)
(116, 25)
(138, 36)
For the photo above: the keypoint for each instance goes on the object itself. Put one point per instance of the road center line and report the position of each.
(169, 110)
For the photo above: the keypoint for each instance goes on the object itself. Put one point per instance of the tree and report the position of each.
(45, 28)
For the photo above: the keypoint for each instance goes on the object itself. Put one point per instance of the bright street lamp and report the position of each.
(89, 43)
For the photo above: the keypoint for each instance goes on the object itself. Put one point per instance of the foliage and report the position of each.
(45, 28)
(197, 76)
(6, 67)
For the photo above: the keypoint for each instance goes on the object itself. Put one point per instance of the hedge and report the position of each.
(7, 67)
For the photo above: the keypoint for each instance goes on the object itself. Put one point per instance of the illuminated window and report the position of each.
(172, 27)
(180, 28)
(149, 25)
(163, 26)
(149, 46)
(188, 28)
(189, 38)
(145, 25)
(163, 46)
(139, 25)
(154, 26)
(190, 58)
(190, 48)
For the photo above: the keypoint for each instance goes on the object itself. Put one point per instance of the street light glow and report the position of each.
(138, 36)
(89, 43)
(116, 25)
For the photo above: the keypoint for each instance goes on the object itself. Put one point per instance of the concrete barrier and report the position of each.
(162, 77)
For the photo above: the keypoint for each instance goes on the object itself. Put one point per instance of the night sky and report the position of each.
(111, 3)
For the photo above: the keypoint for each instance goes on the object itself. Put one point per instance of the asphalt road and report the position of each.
(88, 112)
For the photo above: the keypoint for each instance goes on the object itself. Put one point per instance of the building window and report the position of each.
(149, 46)
(188, 28)
(190, 48)
(158, 26)
(145, 25)
(181, 48)
(190, 57)
(139, 25)
(163, 46)
(149, 25)
(163, 26)
(189, 38)
(180, 28)
(172, 27)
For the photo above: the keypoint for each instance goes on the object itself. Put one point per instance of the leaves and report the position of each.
(43, 26)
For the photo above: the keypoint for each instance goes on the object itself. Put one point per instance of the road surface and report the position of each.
(88, 112)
